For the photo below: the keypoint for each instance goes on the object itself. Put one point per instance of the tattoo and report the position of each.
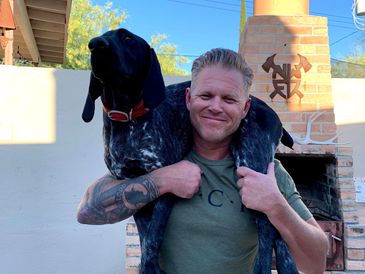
(139, 192)
(112, 201)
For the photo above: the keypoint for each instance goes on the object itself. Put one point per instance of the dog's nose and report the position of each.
(98, 42)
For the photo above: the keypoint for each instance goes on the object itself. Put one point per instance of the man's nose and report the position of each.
(215, 104)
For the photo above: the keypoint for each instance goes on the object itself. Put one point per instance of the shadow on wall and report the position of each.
(48, 157)
(43, 179)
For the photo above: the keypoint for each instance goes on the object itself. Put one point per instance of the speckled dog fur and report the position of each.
(124, 71)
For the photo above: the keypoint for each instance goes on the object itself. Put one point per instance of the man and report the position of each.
(209, 231)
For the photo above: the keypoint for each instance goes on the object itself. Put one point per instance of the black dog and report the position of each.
(144, 122)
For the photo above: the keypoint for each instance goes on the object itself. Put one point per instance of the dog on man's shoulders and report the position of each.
(144, 122)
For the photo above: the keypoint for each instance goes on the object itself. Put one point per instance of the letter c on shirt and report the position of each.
(214, 203)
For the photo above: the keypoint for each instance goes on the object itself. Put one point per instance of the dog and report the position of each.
(144, 121)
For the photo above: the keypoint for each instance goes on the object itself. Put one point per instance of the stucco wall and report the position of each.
(48, 156)
(349, 100)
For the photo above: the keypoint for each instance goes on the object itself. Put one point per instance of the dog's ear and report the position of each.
(154, 86)
(95, 90)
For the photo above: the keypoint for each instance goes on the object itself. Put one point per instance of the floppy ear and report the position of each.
(154, 85)
(95, 90)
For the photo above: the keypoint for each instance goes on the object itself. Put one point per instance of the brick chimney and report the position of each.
(289, 53)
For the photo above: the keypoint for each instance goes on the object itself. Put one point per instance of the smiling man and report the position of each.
(209, 231)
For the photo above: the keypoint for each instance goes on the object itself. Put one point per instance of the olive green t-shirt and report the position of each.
(213, 232)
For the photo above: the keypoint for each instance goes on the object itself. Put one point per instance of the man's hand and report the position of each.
(306, 240)
(259, 191)
(182, 179)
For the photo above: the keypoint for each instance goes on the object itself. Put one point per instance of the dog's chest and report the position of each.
(137, 148)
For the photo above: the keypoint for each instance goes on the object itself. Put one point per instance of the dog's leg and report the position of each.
(151, 245)
(267, 236)
(284, 261)
(254, 146)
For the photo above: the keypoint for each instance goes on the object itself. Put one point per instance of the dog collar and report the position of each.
(121, 116)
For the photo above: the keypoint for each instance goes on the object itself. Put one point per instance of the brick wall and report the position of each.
(133, 249)
(288, 36)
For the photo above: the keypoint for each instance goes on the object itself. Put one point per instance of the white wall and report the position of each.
(41, 185)
(349, 101)
(43, 176)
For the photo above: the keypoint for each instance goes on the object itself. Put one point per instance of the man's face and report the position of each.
(217, 104)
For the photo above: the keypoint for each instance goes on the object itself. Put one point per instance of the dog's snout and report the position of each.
(98, 42)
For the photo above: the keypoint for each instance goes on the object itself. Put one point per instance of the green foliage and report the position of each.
(167, 55)
(86, 22)
(353, 66)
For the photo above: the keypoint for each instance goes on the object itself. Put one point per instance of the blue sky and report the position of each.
(196, 26)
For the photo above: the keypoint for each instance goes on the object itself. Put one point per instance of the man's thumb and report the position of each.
(271, 169)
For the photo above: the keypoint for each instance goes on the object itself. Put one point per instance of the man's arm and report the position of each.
(306, 240)
(109, 200)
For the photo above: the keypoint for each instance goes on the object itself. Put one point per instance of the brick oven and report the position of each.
(289, 53)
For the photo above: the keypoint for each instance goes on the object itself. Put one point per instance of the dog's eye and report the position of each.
(127, 38)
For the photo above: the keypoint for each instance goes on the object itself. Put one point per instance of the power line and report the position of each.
(341, 27)
(224, 9)
(326, 14)
(351, 23)
(344, 37)
(223, 3)
(237, 11)
(204, 6)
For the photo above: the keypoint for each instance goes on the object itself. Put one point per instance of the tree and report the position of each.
(88, 21)
(167, 55)
(353, 66)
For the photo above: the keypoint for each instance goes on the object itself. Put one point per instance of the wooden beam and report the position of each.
(53, 60)
(48, 35)
(49, 42)
(55, 6)
(46, 16)
(46, 54)
(8, 52)
(41, 25)
(9, 36)
(23, 21)
(50, 48)
(68, 12)
(7, 14)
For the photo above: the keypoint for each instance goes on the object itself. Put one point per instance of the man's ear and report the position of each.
(187, 98)
(246, 107)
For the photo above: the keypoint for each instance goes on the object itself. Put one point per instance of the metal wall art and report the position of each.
(287, 77)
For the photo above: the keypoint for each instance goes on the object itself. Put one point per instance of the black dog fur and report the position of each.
(125, 71)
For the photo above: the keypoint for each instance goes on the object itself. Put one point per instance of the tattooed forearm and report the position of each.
(137, 193)
(111, 200)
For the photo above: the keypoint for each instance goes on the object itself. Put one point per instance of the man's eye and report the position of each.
(230, 100)
(205, 96)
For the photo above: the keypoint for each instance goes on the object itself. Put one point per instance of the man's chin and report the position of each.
(215, 136)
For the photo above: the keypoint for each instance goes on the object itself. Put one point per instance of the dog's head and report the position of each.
(124, 71)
